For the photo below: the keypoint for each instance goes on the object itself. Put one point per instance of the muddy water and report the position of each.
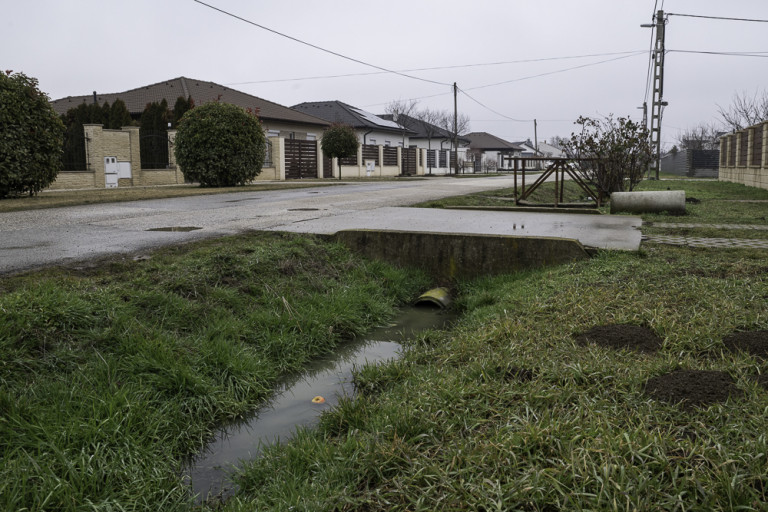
(292, 406)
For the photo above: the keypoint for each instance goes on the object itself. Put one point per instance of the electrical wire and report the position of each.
(728, 54)
(715, 17)
(632, 54)
(317, 47)
(650, 56)
(458, 66)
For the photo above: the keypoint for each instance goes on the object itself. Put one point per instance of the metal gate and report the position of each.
(409, 161)
(300, 159)
(327, 167)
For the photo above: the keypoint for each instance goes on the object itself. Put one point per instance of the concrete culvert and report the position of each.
(439, 297)
(672, 201)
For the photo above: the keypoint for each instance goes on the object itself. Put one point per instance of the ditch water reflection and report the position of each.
(291, 406)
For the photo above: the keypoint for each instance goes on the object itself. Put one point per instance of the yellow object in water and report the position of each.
(440, 297)
(318, 400)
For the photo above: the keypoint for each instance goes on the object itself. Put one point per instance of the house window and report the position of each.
(372, 141)
(273, 133)
(387, 143)
(311, 136)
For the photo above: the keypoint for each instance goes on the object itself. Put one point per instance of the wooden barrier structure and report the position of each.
(557, 166)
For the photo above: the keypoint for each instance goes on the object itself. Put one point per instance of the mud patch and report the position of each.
(182, 229)
(693, 387)
(751, 342)
(619, 336)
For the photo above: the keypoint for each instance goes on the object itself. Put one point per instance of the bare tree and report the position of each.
(402, 113)
(557, 141)
(702, 136)
(427, 120)
(745, 110)
(446, 122)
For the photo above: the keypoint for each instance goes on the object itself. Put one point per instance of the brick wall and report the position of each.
(73, 180)
(744, 158)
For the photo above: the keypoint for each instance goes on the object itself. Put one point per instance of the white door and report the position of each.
(111, 169)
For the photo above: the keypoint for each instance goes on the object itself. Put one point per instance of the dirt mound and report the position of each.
(752, 342)
(693, 387)
(618, 336)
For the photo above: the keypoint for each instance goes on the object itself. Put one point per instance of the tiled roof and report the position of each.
(339, 112)
(488, 142)
(420, 130)
(201, 92)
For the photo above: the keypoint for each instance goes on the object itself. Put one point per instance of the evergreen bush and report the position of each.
(31, 136)
(220, 145)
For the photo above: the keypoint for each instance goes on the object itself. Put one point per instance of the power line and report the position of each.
(650, 56)
(494, 111)
(728, 54)
(317, 47)
(435, 68)
(632, 54)
(716, 17)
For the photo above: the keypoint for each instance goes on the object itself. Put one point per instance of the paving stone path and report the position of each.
(693, 241)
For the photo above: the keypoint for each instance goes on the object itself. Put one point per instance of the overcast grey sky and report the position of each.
(77, 46)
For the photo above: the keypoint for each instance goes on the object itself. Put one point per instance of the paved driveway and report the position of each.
(44, 237)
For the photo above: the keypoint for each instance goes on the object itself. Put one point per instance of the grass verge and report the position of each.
(110, 376)
(509, 412)
(505, 197)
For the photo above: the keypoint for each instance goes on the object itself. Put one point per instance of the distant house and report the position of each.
(490, 150)
(437, 141)
(276, 119)
(370, 128)
(548, 150)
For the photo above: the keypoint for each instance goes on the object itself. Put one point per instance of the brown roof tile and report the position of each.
(201, 91)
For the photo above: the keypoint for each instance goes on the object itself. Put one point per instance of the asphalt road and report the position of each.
(38, 238)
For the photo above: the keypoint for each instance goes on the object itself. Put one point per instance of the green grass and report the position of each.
(451, 426)
(505, 197)
(111, 376)
(721, 202)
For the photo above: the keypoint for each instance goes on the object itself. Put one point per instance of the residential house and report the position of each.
(277, 120)
(491, 151)
(550, 151)
(371, 129)
(111, 157)
(437, 141)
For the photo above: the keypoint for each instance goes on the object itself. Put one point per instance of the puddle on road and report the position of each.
(176, 228)
(241, 200)
(292, 407)
(303, 209)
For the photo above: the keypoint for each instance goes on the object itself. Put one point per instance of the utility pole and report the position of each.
(658, 104)
(455, 131)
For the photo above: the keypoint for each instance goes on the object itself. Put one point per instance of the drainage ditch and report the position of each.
(298, 401)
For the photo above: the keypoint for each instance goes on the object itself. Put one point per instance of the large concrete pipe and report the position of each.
(672, 201)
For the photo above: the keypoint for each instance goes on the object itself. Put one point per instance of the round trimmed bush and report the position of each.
(220, 145)
(31, 137)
